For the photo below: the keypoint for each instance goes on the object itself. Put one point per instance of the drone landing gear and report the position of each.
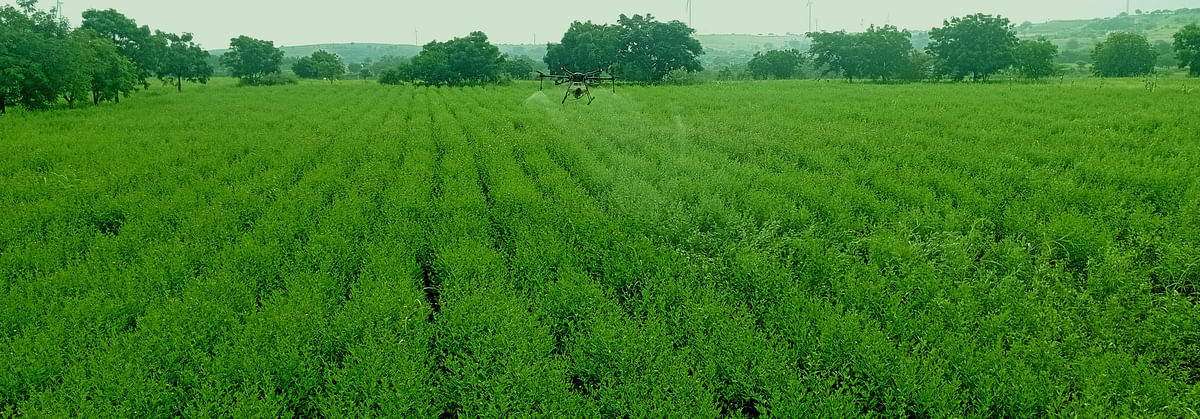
(579, 91)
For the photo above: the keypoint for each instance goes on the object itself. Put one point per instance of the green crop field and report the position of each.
(782, 249)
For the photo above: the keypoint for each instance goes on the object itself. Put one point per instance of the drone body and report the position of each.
(578, 84)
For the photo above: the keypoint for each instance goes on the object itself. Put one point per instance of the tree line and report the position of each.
(43, 60)
(637, 48)
(973, 47)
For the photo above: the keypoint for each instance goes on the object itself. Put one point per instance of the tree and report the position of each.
(520, 68)
(838, 53)
(1187, 48)
(252, 59)
(778, 64)
(183, 60)
(111, 73)
(76, 79)
(1123, 54)
(650, 49)
(885, 51)
(35, 57)
(585, 46)
(400, 74)
(977, 45)
(134, 42)
(468, 60)
(917, 66)
(637, 48)
(305, 68)
(1035, 59)
(328, 65)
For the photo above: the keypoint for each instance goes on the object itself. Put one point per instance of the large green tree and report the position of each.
(775, 64)
(460, 61)
(975, 46)
(650, 49)
(1123, 54)
(885, 51)
(838, 53)
(35, 57)
(137, 43)
(1187, 48)
(183, 60)
(112, 74)
(328, 65)
(637, 48)
(252, 59)
(1035, 59)
(585, 46)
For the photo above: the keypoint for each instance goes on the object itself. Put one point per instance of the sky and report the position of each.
(290, 23)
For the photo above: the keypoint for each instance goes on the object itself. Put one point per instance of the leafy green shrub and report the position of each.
(273, 79)
(681, 77)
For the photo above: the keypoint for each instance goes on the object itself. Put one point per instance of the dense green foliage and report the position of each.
(470, 60)
(401, 73)
(838, 53)
(520, 67)
(182, 60)
(320, 65)
(584, 47)
(637, 48)
(666, 252)
(975, 46)
(881, 53)
(1187, 48)
(1035, 59)
(137, 43)
(252, 60)
(886, 51)
(43, 60)
(1123, 54)
(776, 64)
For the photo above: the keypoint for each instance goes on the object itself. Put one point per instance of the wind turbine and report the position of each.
(689, 13)
(810, 17)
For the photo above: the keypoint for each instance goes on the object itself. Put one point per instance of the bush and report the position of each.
(681, 77)
(273, 79)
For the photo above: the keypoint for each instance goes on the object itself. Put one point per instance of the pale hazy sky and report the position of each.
(519, 21)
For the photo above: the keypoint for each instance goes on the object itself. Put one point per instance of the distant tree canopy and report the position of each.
(252, 59)
(460, 61)
(1035, 59)
(520, 67)
(975, 46)
(585, 46)
(137, 43)
(320, 65)
(109, 73)
(401, 72)
(777, 64)
(637, 48)
(881, 53)
(837, 53)
(886, 51)
(1123, 54)
(1187, 48)
(182, 60)
(43, 60)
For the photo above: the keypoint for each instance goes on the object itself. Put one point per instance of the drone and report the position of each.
(579, 84)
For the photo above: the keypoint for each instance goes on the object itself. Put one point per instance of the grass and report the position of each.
(739, 249)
